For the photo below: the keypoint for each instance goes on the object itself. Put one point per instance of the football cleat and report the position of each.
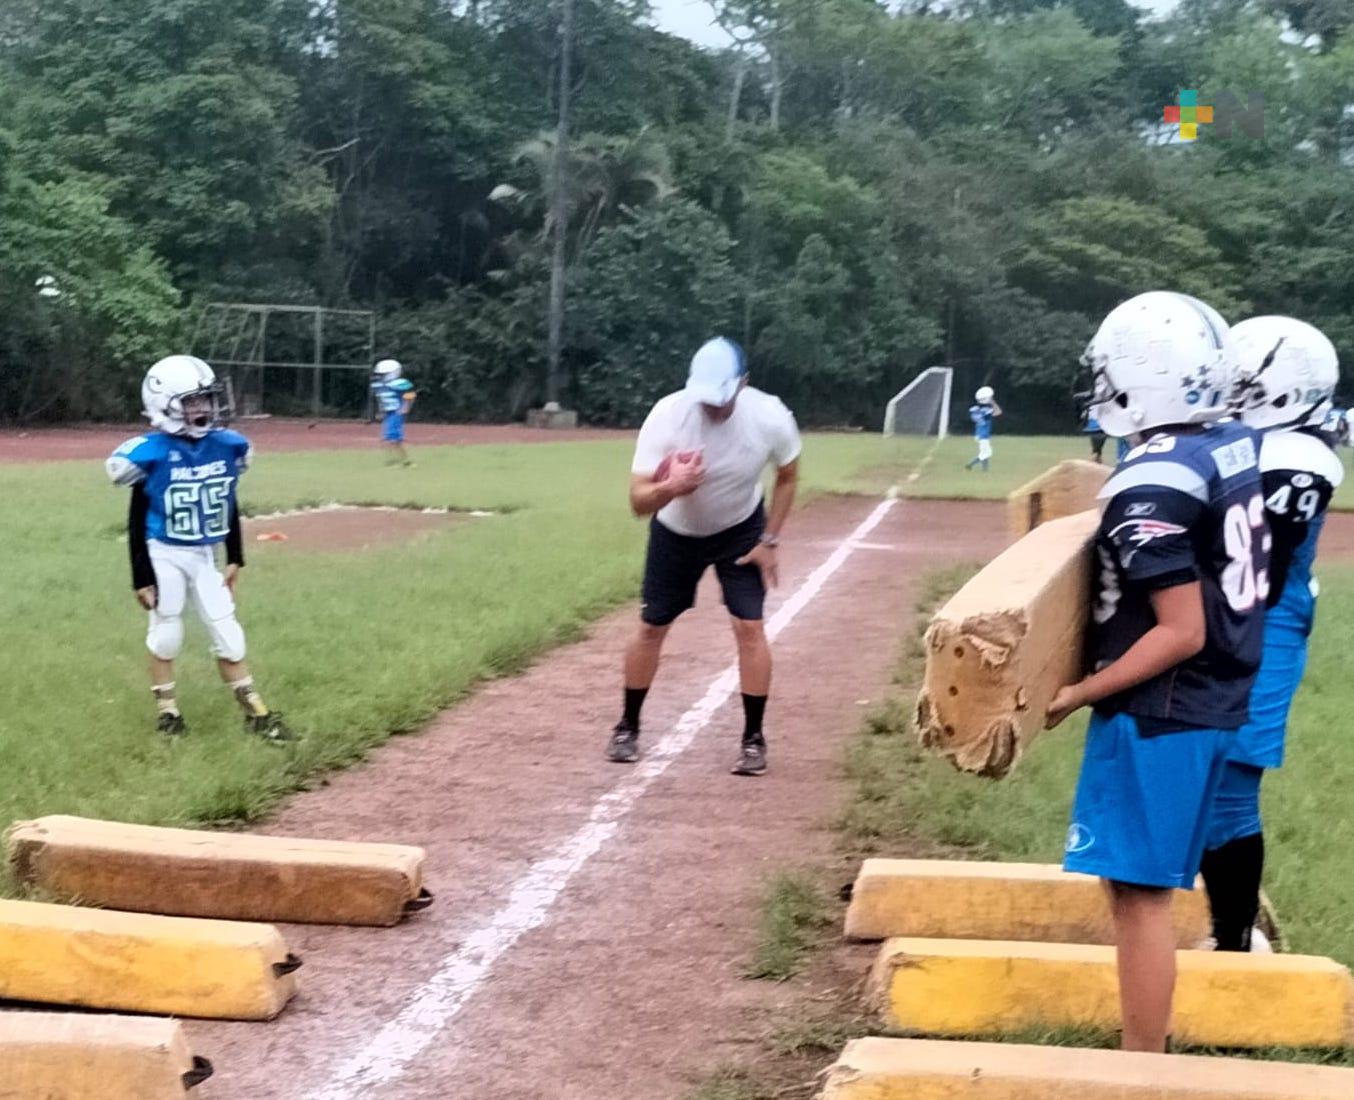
(171, 724)
(269, 726)
(623, 747)
(751, 759)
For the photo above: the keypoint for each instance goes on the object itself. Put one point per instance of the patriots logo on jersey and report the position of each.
(1138, 532)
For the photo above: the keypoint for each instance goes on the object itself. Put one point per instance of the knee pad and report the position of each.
(227, 639)
(165, 637)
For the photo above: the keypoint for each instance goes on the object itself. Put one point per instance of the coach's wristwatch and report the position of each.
(768, 539)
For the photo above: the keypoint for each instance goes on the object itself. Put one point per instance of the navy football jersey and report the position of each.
(1185, 506)
(1301, 474)
(189, 483)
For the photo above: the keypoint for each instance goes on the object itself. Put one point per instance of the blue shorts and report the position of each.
(1261, 740)
(1236, 807)
(1144, 804)
(392, 428)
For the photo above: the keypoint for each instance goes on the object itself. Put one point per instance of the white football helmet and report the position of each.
(178, 379)
(985, 395)
(1287, 374)
(387, 370)
(1160, 358)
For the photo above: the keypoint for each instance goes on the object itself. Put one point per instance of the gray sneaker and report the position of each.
(751, 758)
(623, 748)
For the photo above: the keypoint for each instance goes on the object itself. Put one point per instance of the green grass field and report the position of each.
(357, 645)
(351, 645)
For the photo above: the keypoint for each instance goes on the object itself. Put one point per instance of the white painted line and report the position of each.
(926, 461)
(391, 1050)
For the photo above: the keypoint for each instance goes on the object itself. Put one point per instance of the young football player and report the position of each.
(981, 412)
(182, 477)
(395, 396)
(1285, 387)
(1176, 619)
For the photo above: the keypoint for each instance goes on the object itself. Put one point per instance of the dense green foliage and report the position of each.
(855, 190)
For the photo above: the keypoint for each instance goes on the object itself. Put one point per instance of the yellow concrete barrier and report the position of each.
(135, 962)
(966, 900)
(1228, 999)
(230, 876)
(917, 1069)
(1063, 490)
(77, 1056)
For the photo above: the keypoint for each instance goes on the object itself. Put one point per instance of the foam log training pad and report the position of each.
(1226, 999)
(136, 962)
(918, 1069)
(965, 900)
(1064, 490)
(82, 1056)
(1003, 645)
(231, 876)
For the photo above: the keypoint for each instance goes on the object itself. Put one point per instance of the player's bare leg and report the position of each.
(754, 672)
(1145, 939)
(642, 656)
(170, 721)
(258, 718)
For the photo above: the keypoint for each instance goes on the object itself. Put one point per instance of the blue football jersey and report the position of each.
(1301, 474)
(1185, 507)
(390, 395)
(981, 415)
(189, 483)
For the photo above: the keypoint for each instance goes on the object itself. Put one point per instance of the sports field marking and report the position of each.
(385, 1057)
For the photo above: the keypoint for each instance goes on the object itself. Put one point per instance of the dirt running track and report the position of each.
(97, 441)
(629, 985)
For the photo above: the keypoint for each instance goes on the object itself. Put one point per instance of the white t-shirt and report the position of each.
(760, 430)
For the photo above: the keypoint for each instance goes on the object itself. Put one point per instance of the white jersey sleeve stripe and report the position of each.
(1166, 475)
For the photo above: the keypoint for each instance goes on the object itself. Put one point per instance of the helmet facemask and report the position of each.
(201, 410)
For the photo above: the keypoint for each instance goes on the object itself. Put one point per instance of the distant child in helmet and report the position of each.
(182, 477)
(981, 412)
(395, 396)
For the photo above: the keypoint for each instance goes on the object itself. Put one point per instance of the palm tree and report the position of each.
(608, 176)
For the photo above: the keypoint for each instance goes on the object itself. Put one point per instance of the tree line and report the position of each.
(854, 190)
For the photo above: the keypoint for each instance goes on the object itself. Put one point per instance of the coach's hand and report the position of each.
(146, 597)
(1068, 699)
(232, 577)
(764, 558)
(686, 474)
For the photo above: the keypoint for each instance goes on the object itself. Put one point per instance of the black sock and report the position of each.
(754, 707)
(1232, 876)
(634, 700)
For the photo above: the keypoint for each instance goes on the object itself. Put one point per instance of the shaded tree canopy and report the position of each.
(854, 190)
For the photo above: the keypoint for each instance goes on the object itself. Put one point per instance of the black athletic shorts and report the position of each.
(675, 564)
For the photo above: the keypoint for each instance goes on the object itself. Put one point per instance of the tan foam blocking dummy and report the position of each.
(1066, 489)
(1004, 644)
(230, 876)
(920, 1069)
(138, 962)
(84, 1056)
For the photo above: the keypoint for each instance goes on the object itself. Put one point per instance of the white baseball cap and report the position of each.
(717, 370)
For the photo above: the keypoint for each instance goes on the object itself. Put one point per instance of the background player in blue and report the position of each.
(1176, 621)
(981, 412)
(182, 477)
(1285, 386)
(395, 396)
